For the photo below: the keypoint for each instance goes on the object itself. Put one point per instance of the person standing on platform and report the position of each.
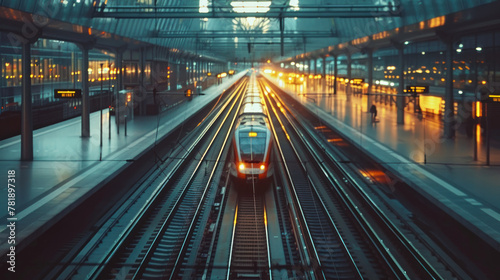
(373, 111)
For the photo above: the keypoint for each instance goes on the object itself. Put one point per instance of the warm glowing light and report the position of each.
(242, 166)
(252, 134)
(262, 167)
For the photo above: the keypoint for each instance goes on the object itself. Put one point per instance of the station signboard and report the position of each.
(494, 97)
(67, 93)
(417, 89)
(357, 81)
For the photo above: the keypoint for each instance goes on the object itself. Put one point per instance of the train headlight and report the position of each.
(242, 166)
(262, 167)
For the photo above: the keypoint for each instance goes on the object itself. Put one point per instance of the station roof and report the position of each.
(229, 30)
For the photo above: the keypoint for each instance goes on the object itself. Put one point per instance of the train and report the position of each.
(252, 141)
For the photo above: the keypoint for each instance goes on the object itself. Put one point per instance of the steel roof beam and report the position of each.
(320, 11)
(221, 34)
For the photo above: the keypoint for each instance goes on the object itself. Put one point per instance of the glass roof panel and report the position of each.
(217, 28)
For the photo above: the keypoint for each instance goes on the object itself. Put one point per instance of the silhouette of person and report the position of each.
(373, 111)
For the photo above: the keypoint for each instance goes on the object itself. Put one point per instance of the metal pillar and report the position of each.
(198, 70)
(26, 112)
(183, 73)
(191, 71)
(449, 110)
(142, 65)
(85, 93)
(348, 84)
(315, 64)
(174, 76)
(323, 77)
(119, 66)
(335, 73)
(400, 99)
(370, 78)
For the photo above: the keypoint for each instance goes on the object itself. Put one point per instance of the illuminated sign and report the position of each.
(357, 81)
(252, 134)
(417, 89)
(494, 97)
(67, 93)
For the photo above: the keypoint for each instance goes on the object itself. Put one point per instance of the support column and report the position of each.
(335, 73)
(315, 64)
(400, 99)
(369, 67)
(183, 73)
(198, 70)
(85, 92)
(174, 76)
(142, 86)
(142, 67)
(188, 71)
(193, 73)
(323, 76)
(348, 84)
(449, 108)
(119, 66)
(26, 110)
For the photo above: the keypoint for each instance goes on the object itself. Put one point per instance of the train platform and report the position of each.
(67, 168)
(442, 170)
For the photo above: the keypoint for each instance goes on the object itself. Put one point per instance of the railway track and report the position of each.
(329, 227)
(249, 256)
(328, 254)
(150, 235)
(379, 247)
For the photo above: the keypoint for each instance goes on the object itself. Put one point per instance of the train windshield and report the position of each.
(252, 146)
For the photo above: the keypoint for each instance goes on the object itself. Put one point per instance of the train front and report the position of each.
(252, 153)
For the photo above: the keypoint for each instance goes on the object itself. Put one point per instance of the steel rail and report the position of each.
(214, 236)
(310, 255)
(313, 186)
(234, 233)
(180, 255)
(237, 217)
(96, 271)
(425, 266)
(152, 248)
